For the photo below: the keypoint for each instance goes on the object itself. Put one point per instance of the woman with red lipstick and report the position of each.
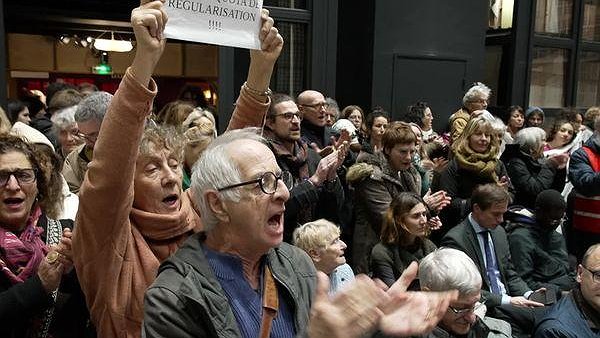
(474, 162)
(35, 253)
(403, 238)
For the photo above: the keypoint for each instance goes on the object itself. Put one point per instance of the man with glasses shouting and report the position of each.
(315, 190)
(237, 278)
(578, 314)
(451, 269)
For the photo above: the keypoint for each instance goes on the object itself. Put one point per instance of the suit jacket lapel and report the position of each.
(472, 238)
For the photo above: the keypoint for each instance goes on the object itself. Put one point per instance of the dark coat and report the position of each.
(388, 261)
(307, 202)
(375, 185)
(539, 255)
(530, 177)
(459, 184)
(321, 136)
(565, 320)
(585, 180)
(187, 300)
(464, 238)
(21, 302)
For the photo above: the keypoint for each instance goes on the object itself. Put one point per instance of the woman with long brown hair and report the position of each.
(403, 238)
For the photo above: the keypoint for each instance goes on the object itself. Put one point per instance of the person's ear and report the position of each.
(476, 208)
(216, 205)
(270, 122)
(579, 273)
(314, 255)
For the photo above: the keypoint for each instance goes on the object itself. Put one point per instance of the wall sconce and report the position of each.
(112, 45)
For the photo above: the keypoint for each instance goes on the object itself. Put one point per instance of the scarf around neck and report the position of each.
(163, 232)
(483, 165)
(297, 162)
(20, 256)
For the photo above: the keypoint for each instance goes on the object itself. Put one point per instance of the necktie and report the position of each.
(490, 266)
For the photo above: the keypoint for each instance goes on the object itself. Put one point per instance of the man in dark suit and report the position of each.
(480, 237)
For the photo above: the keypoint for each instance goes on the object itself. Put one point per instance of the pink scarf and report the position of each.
(20, 256)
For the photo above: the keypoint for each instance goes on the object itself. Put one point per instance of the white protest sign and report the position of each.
(233, 23)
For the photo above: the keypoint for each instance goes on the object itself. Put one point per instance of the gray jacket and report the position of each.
(186, 299)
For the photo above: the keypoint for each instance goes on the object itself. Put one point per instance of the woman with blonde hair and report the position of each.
(200, 131)
(403, 238)
(474, 162)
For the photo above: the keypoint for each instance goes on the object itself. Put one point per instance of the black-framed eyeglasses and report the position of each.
(23, 176)
(316, 106)
(288, 116)
(595, 274)
(268, 182)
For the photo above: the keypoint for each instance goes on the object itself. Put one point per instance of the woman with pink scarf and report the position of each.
(35, 250)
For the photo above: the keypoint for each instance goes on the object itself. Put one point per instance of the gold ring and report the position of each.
(52, 257)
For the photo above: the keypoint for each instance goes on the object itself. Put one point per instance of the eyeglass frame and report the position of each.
(463, 312)
(595, 274)
(19, 180)
(260, 182)
(90, 138)
(291, 115)
(316, 105)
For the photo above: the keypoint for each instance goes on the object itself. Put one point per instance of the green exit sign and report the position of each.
(102, 69)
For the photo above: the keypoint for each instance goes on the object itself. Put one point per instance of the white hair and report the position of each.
(216, 169)
(449, 269)
(63, 118)
(479, 90)
(530, 138)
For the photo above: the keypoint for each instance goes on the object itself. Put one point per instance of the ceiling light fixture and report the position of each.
(112, 45)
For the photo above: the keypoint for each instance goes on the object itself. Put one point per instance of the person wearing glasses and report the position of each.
(88, 116)
(315, 131)
(133, 212)
(485, 242)
(315, 190)
(475, 99)
(578, 314)
(238, 278)
(450, 269)
(539, 252)
(35, 250)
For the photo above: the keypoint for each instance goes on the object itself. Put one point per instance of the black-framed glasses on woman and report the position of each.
(268, 182)
(23, 176)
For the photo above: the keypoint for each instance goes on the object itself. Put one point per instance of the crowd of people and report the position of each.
(301, 219)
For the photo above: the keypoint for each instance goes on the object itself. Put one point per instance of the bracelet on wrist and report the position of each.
(266, 93)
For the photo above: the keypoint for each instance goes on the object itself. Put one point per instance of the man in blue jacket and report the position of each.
(578, 314)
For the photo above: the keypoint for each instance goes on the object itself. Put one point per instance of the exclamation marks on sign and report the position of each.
(215, 25)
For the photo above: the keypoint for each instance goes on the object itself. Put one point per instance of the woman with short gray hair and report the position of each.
(529, 172)
(65, 128)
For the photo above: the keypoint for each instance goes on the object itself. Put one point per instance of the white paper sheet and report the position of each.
(234, 23)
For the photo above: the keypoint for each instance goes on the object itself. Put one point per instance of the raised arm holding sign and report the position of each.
(233, 23)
